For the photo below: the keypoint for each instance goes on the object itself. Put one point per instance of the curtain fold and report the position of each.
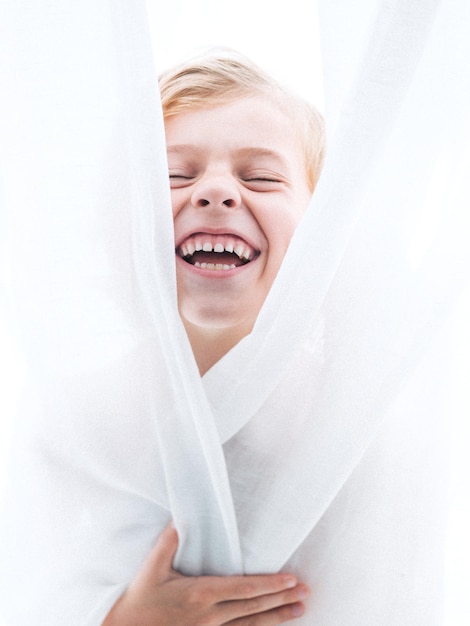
(318, 444)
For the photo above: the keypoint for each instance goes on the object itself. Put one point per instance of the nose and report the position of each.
(216, 191)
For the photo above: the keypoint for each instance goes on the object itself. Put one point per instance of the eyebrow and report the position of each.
(183, 148)
(262, 152)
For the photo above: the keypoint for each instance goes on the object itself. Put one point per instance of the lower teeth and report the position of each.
(214, 266)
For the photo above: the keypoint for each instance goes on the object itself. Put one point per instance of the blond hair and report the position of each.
(221, 78)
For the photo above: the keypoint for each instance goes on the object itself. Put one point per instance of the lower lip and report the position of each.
(216, 274)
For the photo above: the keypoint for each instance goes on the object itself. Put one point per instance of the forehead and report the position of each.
(253, 126)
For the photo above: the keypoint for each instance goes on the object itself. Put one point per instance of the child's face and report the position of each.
(238, 188)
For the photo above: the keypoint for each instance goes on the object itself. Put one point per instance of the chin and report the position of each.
(217, 318)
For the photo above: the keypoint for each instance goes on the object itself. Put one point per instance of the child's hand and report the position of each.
(160, 596)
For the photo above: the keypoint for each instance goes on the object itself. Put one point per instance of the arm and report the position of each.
(159, 595)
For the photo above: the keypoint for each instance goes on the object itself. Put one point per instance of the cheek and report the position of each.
(282, 228)
(178, 201)
(279, 232)
(174, 205)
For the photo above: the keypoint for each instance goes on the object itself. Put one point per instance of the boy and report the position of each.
(244, 157)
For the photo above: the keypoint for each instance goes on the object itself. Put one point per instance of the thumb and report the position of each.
(159, 563)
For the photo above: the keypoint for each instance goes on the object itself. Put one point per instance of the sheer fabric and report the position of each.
(317, 445)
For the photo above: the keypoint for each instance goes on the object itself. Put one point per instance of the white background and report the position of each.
(281, 37)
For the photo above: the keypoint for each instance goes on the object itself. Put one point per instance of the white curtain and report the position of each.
(318, 444)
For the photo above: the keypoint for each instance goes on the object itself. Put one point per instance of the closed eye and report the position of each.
(262, 183)
(262, 179)
(179, 180)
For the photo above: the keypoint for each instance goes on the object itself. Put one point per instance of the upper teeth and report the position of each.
(242, 250)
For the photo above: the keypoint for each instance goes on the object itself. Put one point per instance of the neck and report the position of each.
(209, 345)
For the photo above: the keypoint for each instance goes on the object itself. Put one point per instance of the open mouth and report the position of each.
(216, 252)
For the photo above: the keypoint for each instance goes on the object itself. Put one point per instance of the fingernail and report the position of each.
(290, 582)
(303, 592)
(297, 610)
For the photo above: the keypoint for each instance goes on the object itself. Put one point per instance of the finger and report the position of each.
(261, 604)
(243, 587)
(272, 617)
(159, 562)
